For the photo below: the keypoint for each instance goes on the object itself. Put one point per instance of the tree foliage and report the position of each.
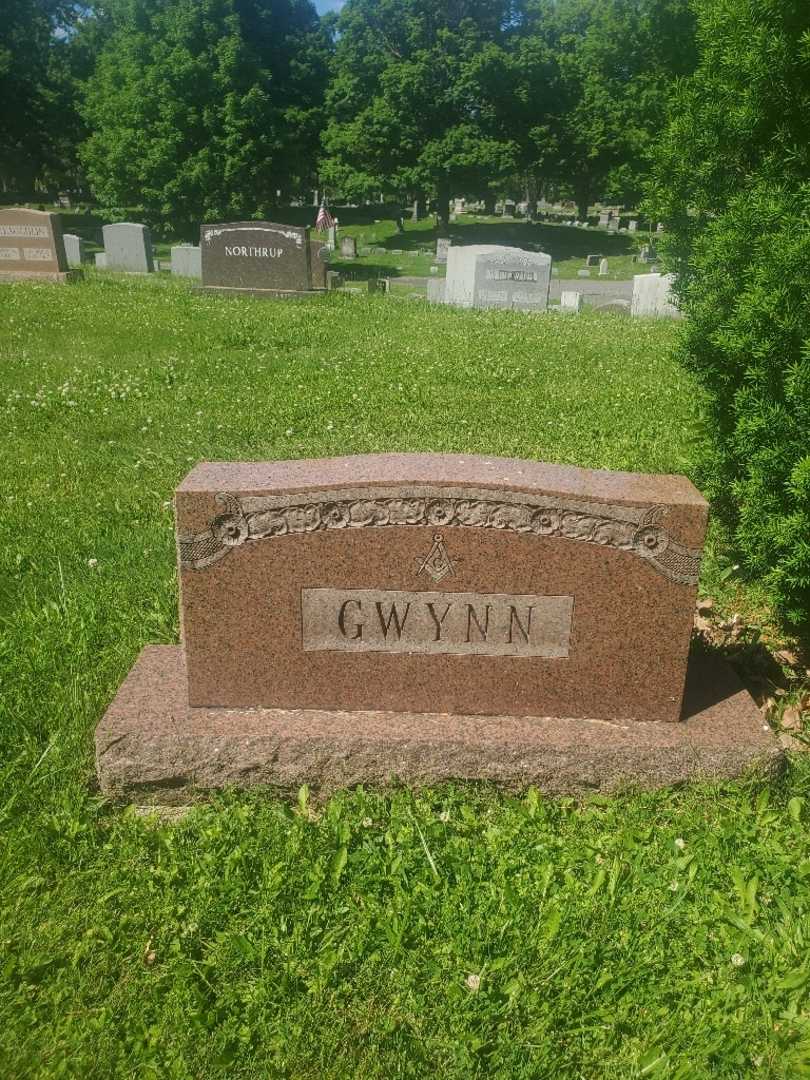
(205, 109)
(732, 182)
(403, 112)
(39, 123)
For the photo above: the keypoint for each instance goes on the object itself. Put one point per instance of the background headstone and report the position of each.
(128, 247)
(257, 256)
(348, 247)
(632, 225)
(100, 260)
(31, 246)
(603, 268)
(651, 296)
(75, 249)
(435, 290)
(186, 261)
(571, 301)
(593, 260)
(442, 247)
(491, 276)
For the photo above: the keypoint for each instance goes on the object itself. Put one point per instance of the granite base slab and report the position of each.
(262, 294)
(58, 277)
(151, 747)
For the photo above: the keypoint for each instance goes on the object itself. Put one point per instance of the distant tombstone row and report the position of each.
(32, 246)
(490, 276)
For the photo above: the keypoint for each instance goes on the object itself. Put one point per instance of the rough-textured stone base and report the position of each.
(63, 277)
(151, 747)
(262, 294)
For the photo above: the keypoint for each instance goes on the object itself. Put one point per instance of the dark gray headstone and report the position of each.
(256, 255)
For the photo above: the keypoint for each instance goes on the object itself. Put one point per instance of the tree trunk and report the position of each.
(531, 196)
(582, 196)
(443, 203)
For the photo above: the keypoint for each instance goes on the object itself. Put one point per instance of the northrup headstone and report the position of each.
(489, 276)
(128, 248)
(428, 617)
(32, 247)
(259, 257)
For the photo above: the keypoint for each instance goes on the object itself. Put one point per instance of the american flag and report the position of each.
(324, 219)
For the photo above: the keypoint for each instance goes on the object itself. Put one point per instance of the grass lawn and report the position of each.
(452, 933)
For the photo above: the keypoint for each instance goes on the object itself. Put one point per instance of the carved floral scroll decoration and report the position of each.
(638, 531)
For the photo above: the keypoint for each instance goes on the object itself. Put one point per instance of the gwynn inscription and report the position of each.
(484, 624)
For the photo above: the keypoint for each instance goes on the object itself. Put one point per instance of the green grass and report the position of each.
(539, 938)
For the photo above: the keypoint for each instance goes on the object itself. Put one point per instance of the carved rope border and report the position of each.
(251, 518)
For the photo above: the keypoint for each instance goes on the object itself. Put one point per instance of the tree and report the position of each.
(731, 183)
(205, 109)
(607, 68)
(38, 120)
(402, 114)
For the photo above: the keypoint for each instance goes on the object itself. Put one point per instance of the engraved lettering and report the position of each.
(472, 616)
(393, 615)
(514, 619)
(438, 622)
(39, 232)
(358, 627)
(459, 623)
(9, 253)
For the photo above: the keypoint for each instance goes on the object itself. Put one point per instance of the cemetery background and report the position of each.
(452, 929)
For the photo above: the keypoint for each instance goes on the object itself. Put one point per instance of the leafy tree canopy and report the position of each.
(205, 109)
(732, 183)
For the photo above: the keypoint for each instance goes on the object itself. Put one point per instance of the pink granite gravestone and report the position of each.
(32, 248)
(426, 617)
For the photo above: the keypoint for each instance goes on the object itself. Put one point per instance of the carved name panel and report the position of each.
(464, 624)
(438, 584)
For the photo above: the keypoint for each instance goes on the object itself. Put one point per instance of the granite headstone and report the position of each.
(186, 261)
(651, 296)
(259, 257)
(32, 247)
(75, 249)
(429, 617)
(128, 247)
(491, 276)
